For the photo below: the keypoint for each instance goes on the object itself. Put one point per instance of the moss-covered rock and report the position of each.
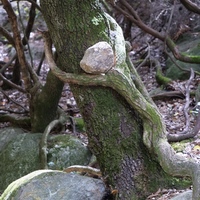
(19, 153)
(65, 150)
(54, 185)
(191, 46)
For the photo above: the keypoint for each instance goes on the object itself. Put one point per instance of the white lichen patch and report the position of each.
(97, 20)
(98, 59)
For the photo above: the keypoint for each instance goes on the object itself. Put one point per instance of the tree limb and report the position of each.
(132, 15)
(18, 44)
(7, 35)
(191, 6)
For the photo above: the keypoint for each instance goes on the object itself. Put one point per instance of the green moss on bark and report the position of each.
(44, 104)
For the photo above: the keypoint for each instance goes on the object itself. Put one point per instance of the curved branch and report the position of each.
(10, 99)
(131, 14)
(7, 35)
(12, 84)
(191, 6)
(136, 20)
(43, 144)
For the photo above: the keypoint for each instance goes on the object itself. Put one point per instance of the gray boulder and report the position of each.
(19, 153)
(183, 196)
(65, 150)
(54, 185)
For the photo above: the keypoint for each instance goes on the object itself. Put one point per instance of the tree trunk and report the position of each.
(115, 130)
(44, 103)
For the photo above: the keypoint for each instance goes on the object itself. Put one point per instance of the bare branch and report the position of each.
(13, 101)
(4, 67)
(7, 35)
(131, 14)
(43, 148)
(18, 44)
(187, 95)
(136, 20)
(191, 6)
(12, 84)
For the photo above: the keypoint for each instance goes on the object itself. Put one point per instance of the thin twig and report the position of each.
(40, 64)
(13, 101)
(7, 35)
(144, 61)
(8, 63)
(170, 20)
(187, 98)
(26, 34)
(13, 85)
(83, 169)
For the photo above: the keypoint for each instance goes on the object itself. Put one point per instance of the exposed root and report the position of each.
(23, 122)
(84, 169)
(43, 144)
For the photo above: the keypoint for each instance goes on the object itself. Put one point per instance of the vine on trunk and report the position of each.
(154, 136)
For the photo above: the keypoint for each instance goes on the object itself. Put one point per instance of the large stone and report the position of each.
(189, 45)
(183, 196)
(98, 58)
(65, 150)
(54, 185)
(19, 153)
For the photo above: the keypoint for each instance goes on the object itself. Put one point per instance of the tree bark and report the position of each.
(44, 103)
(115, 130)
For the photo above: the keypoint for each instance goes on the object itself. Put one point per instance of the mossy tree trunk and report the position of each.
(115, 130)
(44, 103)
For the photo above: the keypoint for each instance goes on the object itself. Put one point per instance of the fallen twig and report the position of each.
(83, 169)
(13, 101)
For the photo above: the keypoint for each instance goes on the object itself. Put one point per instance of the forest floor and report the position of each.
(172, 110)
